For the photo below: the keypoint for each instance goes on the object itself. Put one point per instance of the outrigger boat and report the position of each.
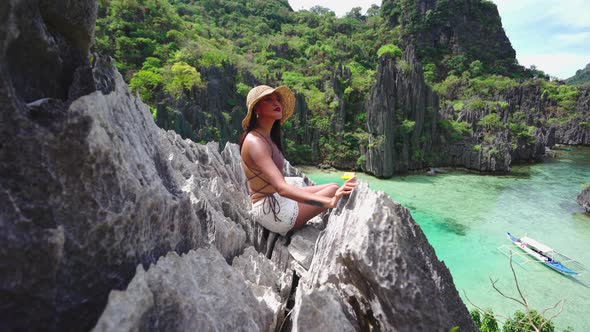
(542, 254)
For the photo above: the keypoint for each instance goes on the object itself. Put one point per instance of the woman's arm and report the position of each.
(258, 151)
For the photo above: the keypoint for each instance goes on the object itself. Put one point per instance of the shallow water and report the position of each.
(466, 216)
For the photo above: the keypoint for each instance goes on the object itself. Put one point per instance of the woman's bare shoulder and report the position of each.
(249, 143)
(252, 141)
(255, 147)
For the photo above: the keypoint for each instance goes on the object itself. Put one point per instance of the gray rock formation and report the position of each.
(270, 285)
(129, 310)
(584, 199)
(575, 132)
(90, 186)
(188, 293)
(350, 104)
(428, 25)
(489, 158)
(530, 101)
(321, 309)
(95, 190)
(370, 268)
(44, 48)
(304, 135)
(376, 262)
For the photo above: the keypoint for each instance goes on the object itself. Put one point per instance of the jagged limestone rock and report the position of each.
(303, 244)
(259, 270)
(372, 268)
(404, 129)
(320, 309)
(530, 101)
(577, 130)
(92, 189)
(216, 105)
(128, 310)
(270, 285)
(535, 152)
(383, 268)
(280, 255)
(189, 293)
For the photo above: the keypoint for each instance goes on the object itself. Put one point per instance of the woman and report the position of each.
(278, 206)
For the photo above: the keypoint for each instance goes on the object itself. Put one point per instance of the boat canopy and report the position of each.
(539, 246)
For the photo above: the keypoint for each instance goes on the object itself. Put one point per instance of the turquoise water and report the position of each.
(465, 217)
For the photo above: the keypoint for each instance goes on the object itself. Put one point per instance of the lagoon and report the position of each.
(465, 217)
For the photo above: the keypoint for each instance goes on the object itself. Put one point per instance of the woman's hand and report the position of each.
(345, 189)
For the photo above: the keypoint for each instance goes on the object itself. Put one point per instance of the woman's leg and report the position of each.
(315, 189)
(306, 212)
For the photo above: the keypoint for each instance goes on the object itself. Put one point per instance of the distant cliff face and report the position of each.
(530, 101)
(453, 33)
(213, 113)
(577, 130)
(405, 131)
(402, 118)
(404, 122)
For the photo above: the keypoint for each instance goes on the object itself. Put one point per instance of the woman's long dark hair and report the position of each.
(275, 132)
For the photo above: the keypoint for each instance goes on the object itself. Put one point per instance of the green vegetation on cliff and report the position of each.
(170, 51)
(488, 104)
(451, 37)
(581, 78)
(162, 46)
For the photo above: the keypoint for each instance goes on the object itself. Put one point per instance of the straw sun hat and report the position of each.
(287, 99)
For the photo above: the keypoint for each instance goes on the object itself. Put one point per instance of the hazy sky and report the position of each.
(553, 35)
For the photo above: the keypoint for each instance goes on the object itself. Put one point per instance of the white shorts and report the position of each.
(287, 211)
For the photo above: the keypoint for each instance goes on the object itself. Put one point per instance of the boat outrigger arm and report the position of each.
(542, 254)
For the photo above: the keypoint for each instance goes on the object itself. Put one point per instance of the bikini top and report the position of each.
(270, 203)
